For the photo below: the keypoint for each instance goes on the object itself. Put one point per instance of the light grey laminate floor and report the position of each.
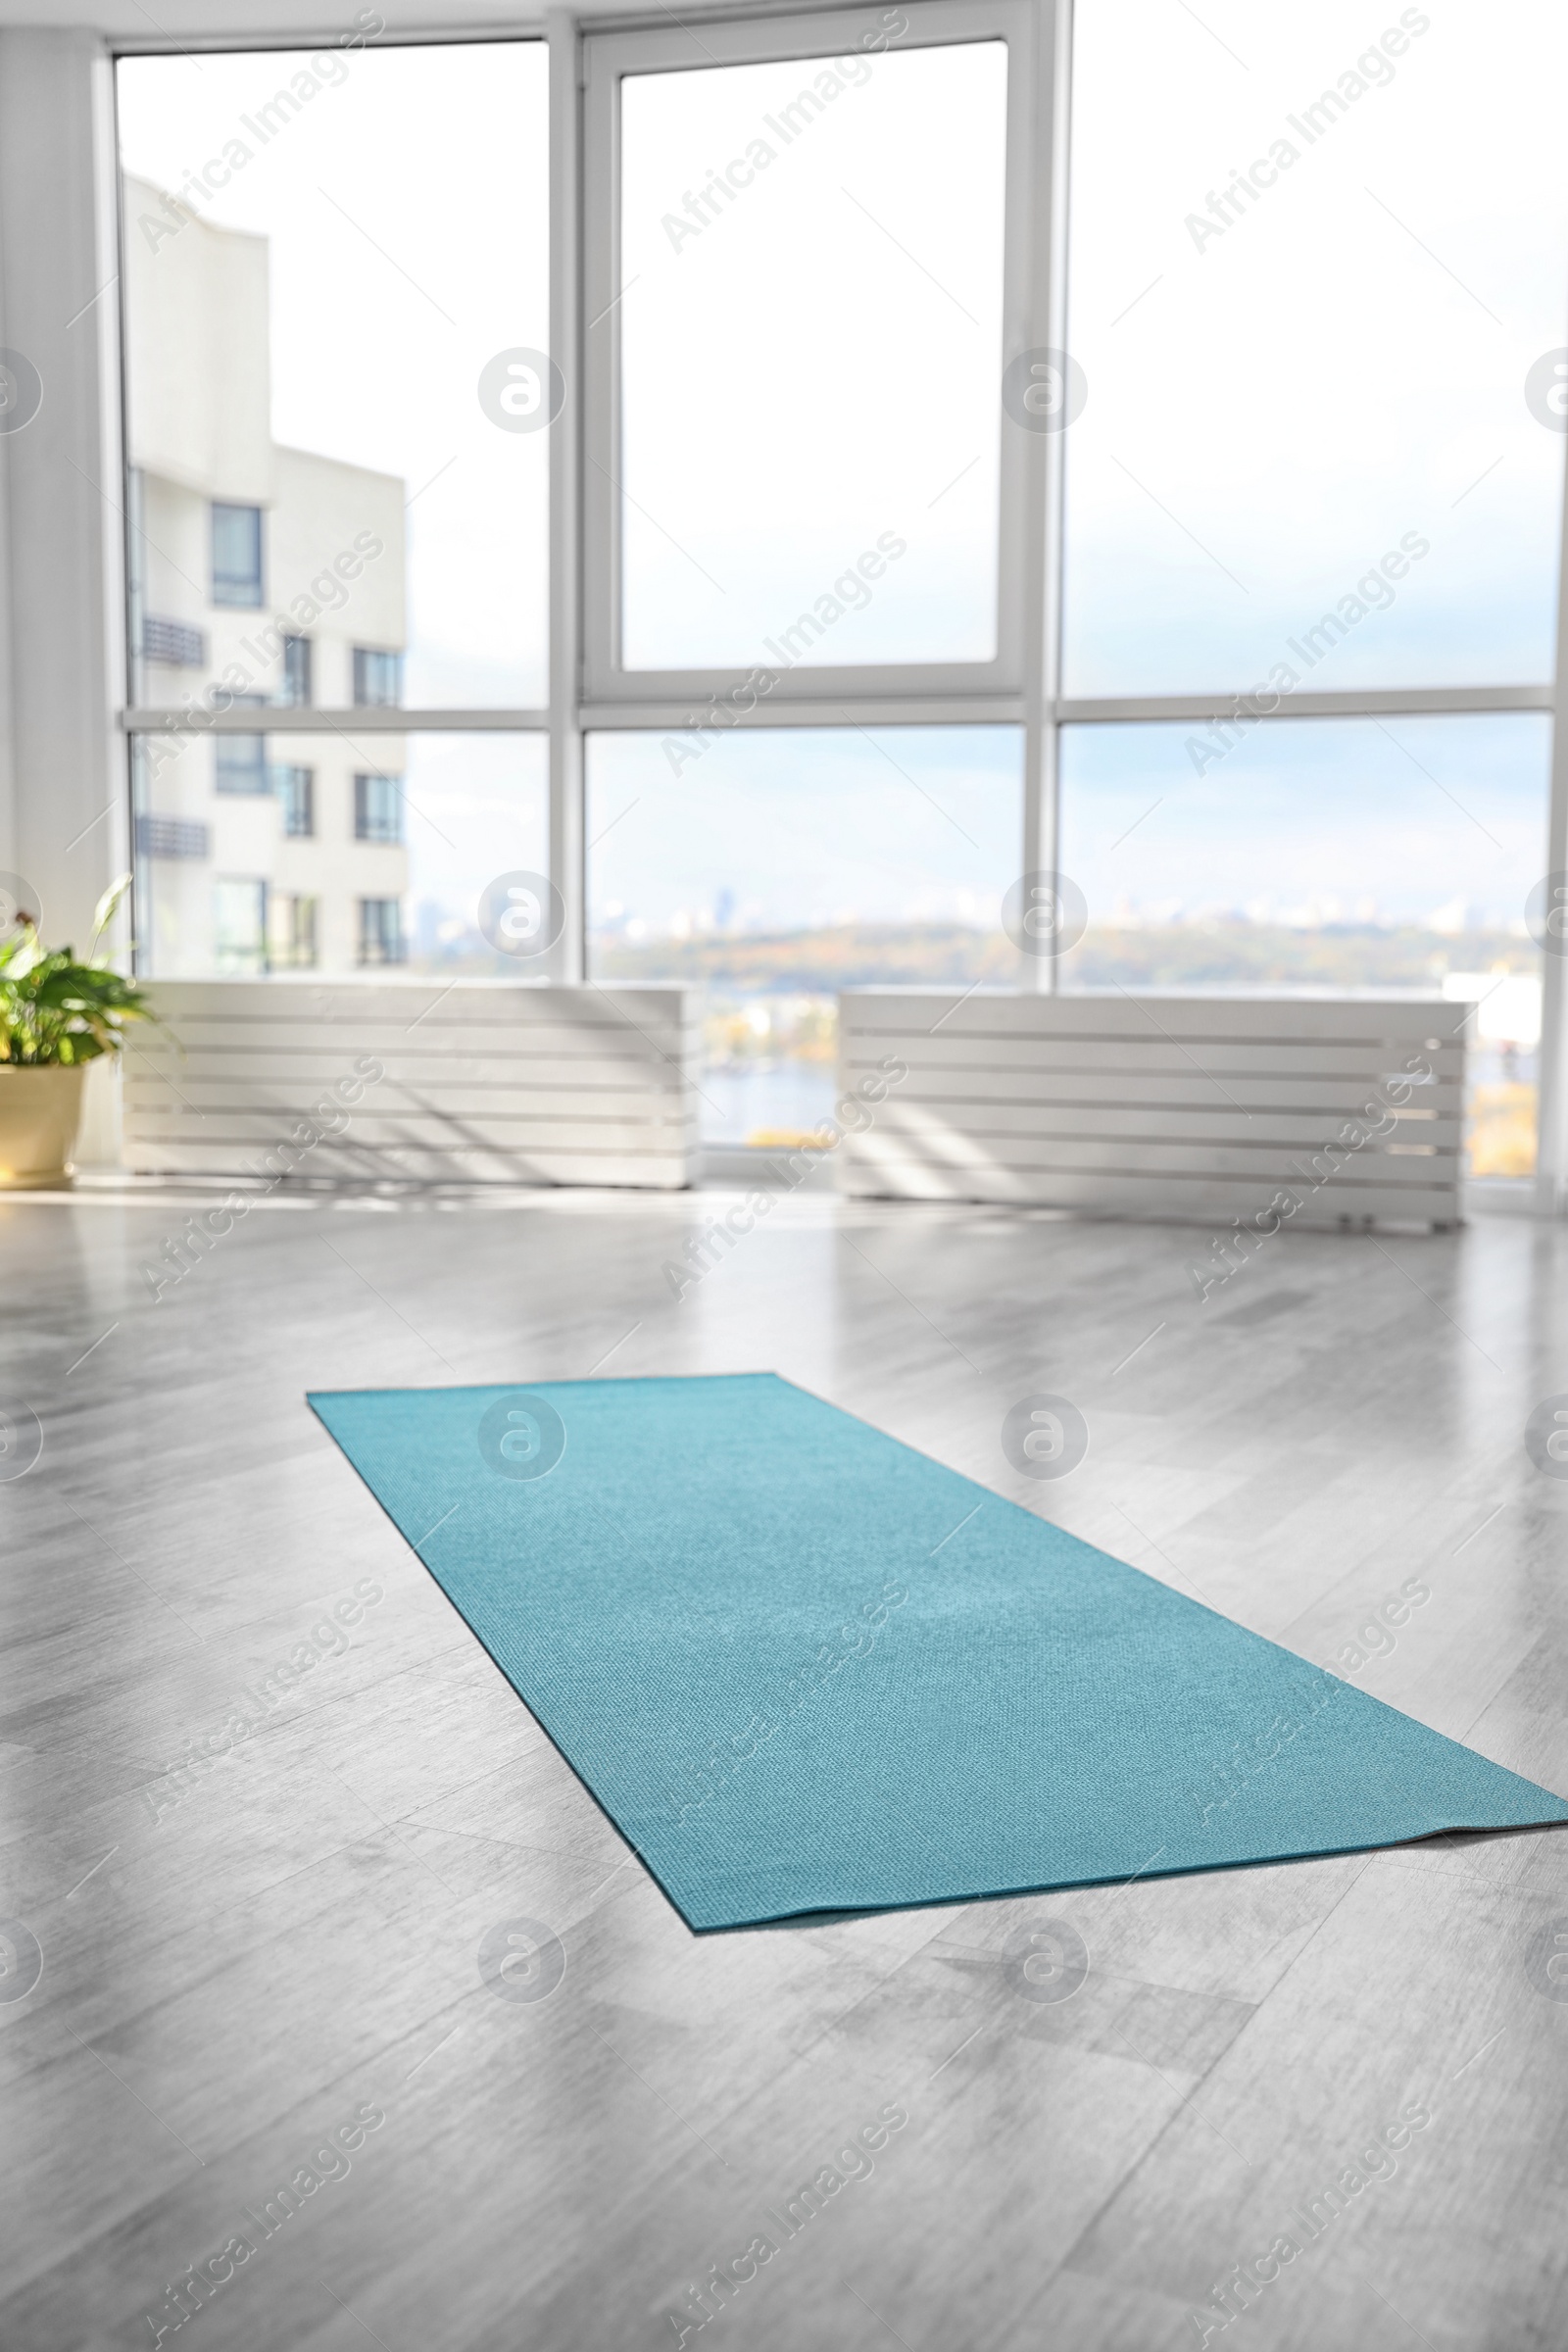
(234, 1966)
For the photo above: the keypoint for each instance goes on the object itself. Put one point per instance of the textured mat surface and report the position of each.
(806, 1669)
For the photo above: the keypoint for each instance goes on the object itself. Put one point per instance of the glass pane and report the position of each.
(326, 256)
(236, 555)
(1319, 292)
(791, 863)
(811, 329)
(352, 852)
(1320, 856)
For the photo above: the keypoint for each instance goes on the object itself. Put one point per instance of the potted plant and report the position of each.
(56, 1015)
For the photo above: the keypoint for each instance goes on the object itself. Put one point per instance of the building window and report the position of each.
(236, 555)
(174, 643)
(239, 924)
(296, 790)
(292, 931)
(240, 765)
(378, 809)
(297, 672)
(377, 678)
(381, 931)
(170, 837)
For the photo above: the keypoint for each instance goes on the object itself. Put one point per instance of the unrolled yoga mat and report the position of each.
(804, 1668)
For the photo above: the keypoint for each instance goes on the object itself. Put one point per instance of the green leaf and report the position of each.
(103, 915)
(54, 1009)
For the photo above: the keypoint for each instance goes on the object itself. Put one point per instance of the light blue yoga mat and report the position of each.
(804, 1669)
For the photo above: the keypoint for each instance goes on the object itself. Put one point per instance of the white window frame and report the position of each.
(610, 60)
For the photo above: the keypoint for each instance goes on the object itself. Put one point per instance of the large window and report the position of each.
(936, 464)
(331, 513)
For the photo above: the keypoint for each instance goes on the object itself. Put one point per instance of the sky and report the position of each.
(1340, 821)
(1337, 820)
(1273, 407)
(805, 826)
(815, 367)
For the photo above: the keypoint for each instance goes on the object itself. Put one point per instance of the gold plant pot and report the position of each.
(40, 1111)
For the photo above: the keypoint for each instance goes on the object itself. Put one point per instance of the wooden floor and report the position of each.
(239, 1963)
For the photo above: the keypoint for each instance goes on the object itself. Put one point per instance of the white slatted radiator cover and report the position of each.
(1166, 1106)
(480, 1081)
